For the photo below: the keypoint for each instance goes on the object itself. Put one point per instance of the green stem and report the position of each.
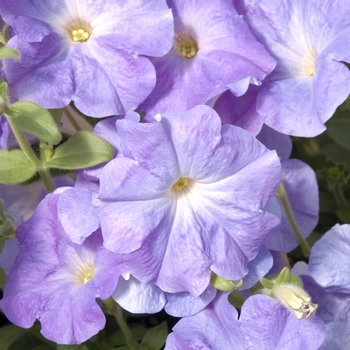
(24, 145)
(281, 193)
(339, 197)
(42, 170)
(45, 175)
(114, 309)
(122, 324)
(71, 119)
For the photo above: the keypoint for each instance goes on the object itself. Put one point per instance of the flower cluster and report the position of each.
(184, 196)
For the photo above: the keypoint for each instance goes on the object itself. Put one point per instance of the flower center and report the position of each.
(308, 64)
(85, 272)
(78, 30)
(80, 35)
(180, 184)
(185, 45)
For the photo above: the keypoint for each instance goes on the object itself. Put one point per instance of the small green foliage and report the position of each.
(4, 91)
(82, 150)
(222, 284)
(15, 167)
(283, 276)
(155, 338)
(334, 174)
(36, 120)
(267, 283)
(57, 115)
(8, 52)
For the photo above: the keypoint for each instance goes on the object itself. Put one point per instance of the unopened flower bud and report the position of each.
(295, 299)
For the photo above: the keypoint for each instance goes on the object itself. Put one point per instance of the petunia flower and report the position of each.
(309, 40)
(186, 199)
(328, 266)
(137, 297)
(56, 281)
(91, 53)
(214, 50)
(263, 324)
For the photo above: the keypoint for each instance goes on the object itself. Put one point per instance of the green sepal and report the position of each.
(57, 115)
(295, 280)
(267, 283)
(222, 284)
(36, 120)
(3, 216)
(7, 227)
(11, 112)
(8, 52)
(4, 91)
(155, 338)
(283, 276)
(15, 167)
(82, 150)
(236, 299)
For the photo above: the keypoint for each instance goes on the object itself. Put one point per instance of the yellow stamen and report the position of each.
(80, 35)
(180, 184)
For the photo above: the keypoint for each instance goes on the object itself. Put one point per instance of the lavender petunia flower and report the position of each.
(137, 297)
(187, 198)
(91, 53)
(309, 40)
(214, 50)
(333, 249)
(263, 324)
(57, 281)
(331, 307)
(239, 110)
(328, 266)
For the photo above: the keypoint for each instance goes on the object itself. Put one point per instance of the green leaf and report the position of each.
(155, 338)
(8, 52)
(35, 120)
(339, 131)
(82, 150)
(9, 335)
(15, 167)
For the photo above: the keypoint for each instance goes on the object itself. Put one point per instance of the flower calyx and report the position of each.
(288, 289)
